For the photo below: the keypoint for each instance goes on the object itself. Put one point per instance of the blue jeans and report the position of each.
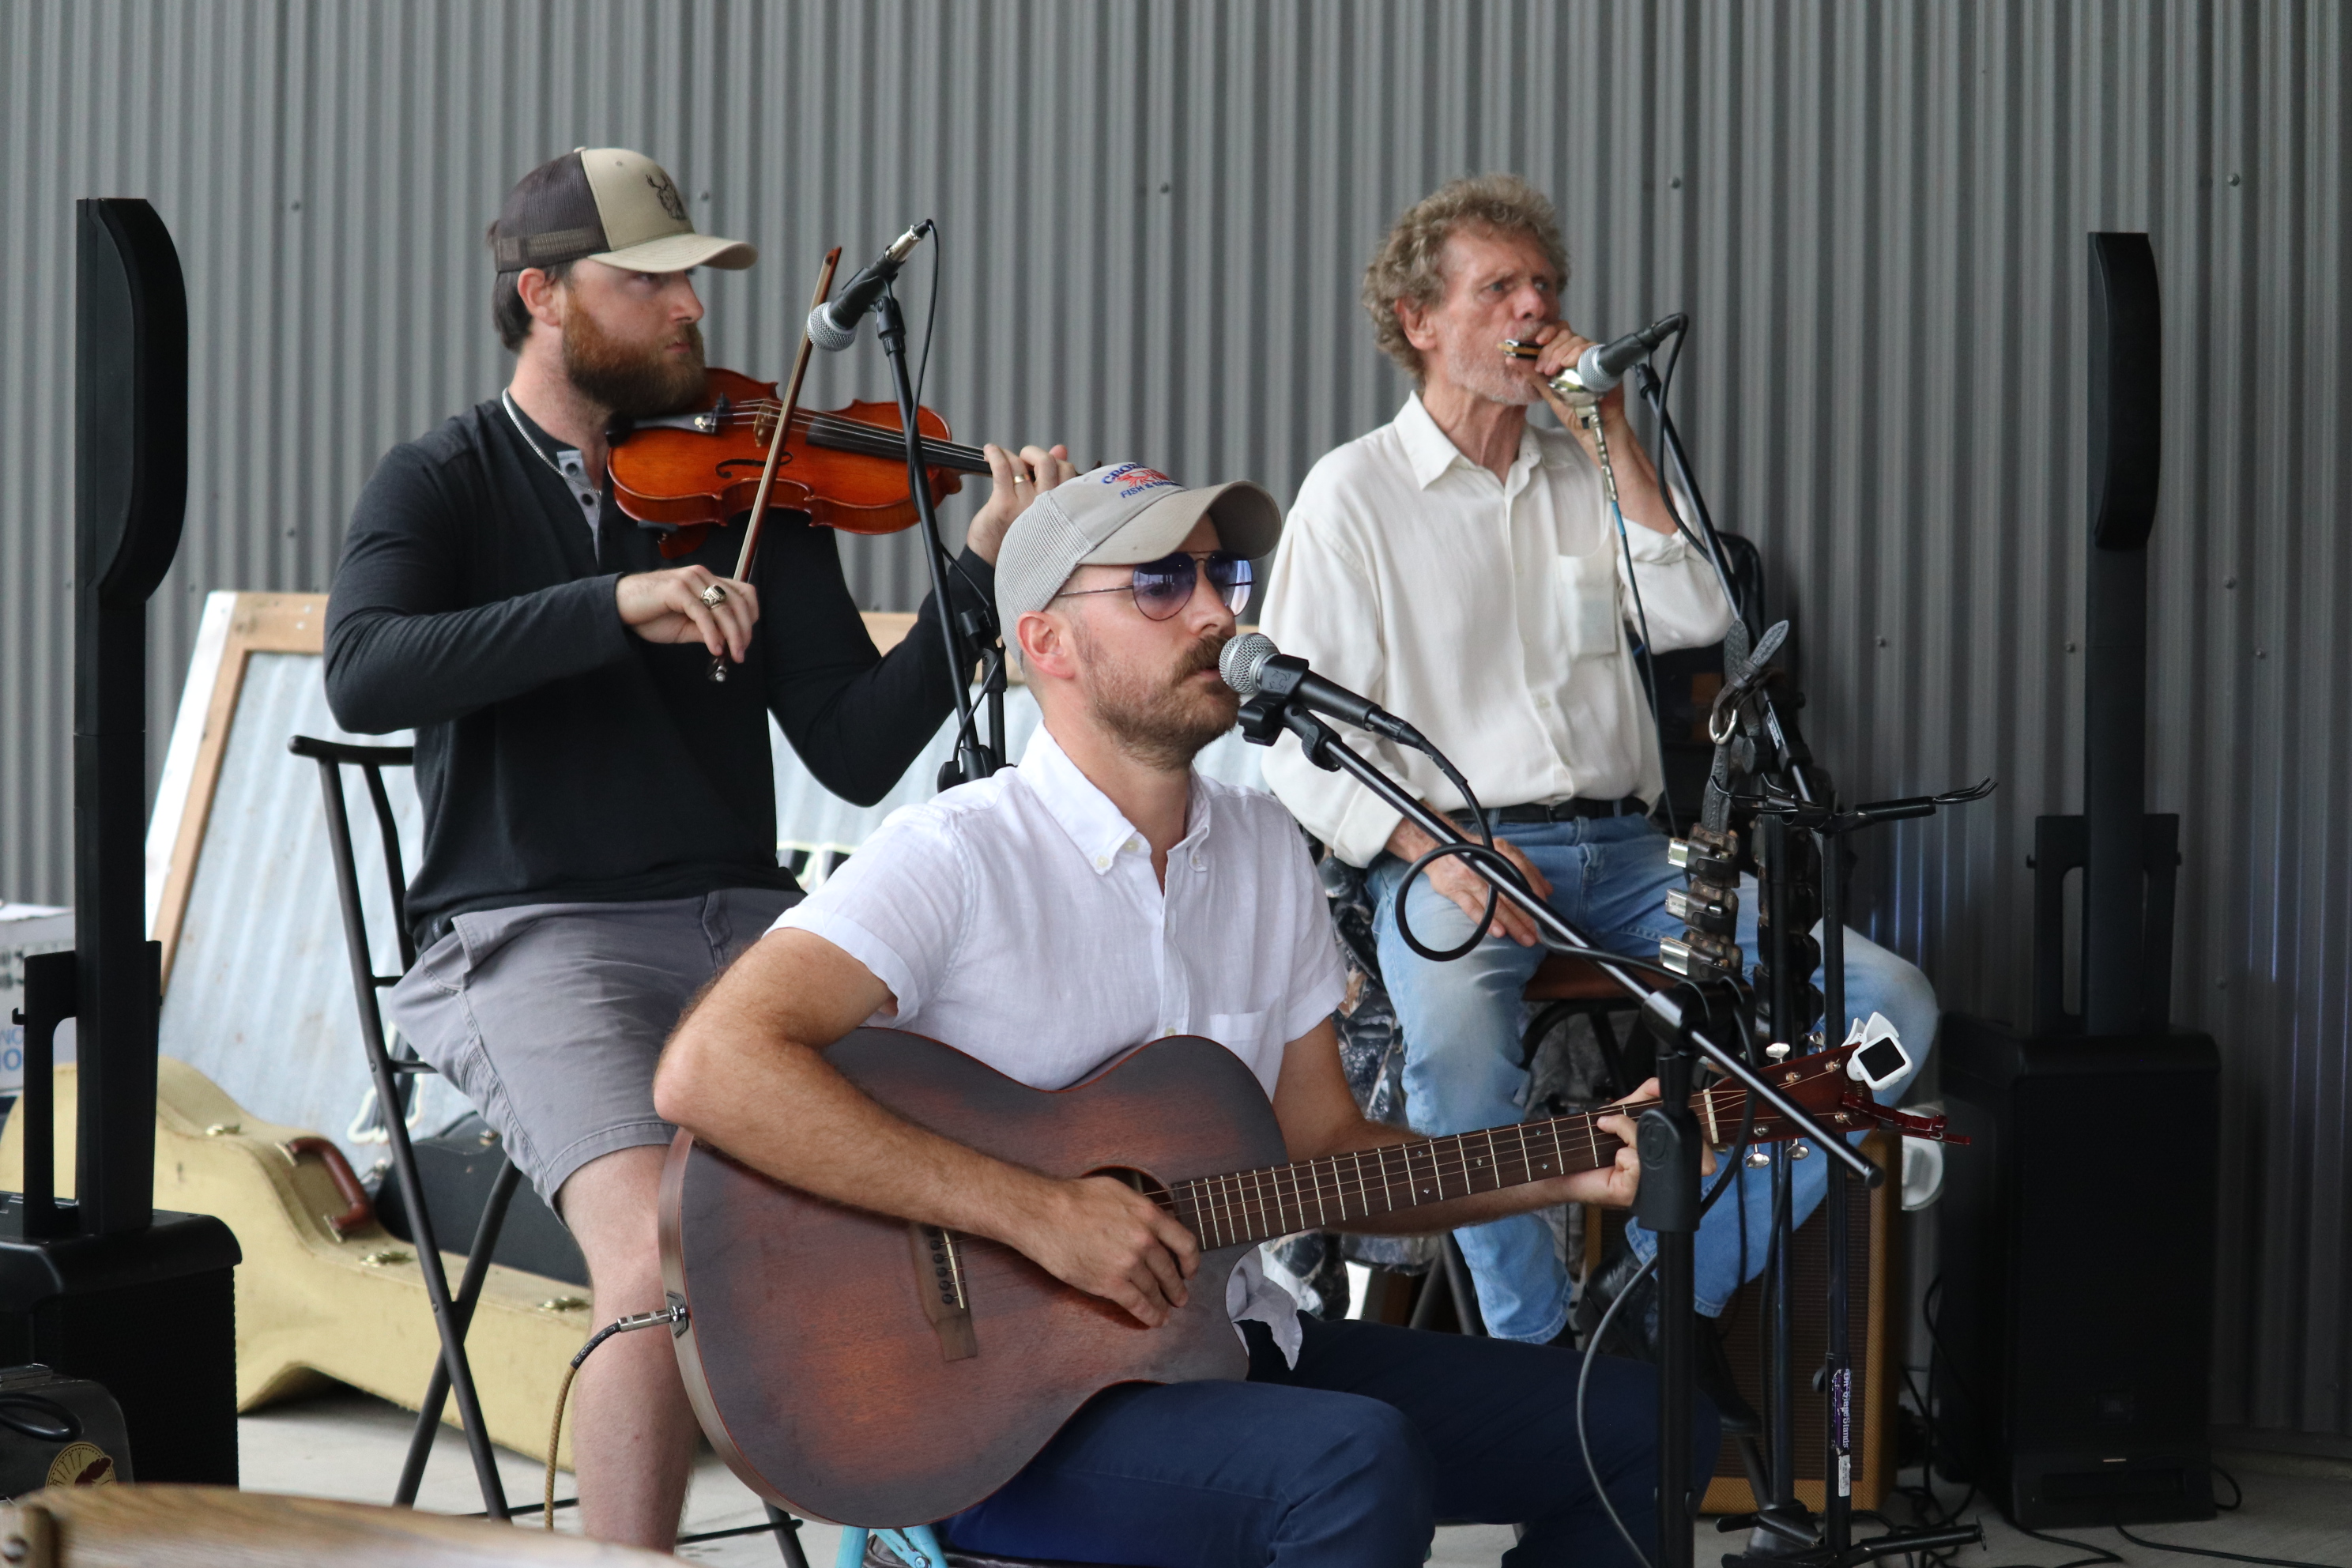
(1462, 1022)
(1349, 1460)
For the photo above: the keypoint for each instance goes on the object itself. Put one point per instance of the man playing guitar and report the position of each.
(599, 816)
(1103, 894)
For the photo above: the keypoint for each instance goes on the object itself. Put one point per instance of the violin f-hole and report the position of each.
(783, 460)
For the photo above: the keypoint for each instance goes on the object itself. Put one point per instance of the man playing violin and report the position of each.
(600, 833)
(1103, 894)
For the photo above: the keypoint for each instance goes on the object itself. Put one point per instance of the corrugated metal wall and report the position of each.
(1153, 218)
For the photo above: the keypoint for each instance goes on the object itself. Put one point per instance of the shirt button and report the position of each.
(1542, 700)
(1101, 862)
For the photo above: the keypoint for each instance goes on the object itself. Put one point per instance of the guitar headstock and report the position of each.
(1825, 1087)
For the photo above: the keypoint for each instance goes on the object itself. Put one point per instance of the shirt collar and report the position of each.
(1097, 827)
(1431, 453)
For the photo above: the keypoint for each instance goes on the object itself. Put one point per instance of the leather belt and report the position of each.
(1573, 809)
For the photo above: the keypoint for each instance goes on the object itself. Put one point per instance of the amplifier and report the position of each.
(1874, 1282)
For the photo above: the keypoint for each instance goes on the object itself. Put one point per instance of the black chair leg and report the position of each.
(1612, 1055)
(788, 1537)
(1459, 1285)
(470, 1292)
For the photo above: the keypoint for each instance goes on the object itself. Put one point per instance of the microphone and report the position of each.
(833, 326)
(1603, 365)
(1254, 666)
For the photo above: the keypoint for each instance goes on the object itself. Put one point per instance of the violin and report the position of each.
(846, 468)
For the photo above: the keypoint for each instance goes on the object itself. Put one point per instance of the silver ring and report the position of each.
(714, 596)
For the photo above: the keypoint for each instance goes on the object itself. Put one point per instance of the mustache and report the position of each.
(1203, 656)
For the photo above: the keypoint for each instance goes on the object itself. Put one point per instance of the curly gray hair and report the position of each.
(1411, 263)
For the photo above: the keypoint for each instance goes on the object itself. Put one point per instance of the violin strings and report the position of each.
(873, 436)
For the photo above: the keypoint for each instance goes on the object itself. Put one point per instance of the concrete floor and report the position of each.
(350, 1446)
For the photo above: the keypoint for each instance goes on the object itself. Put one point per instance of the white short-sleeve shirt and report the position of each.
(1018, 920)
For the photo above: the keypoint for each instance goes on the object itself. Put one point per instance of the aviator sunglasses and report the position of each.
(1164, 586)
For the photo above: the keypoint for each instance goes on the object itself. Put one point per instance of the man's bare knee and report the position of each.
(611, 1205)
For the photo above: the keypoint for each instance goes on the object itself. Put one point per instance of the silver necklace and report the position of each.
(505, 400)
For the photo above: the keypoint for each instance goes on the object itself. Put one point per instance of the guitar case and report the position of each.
(457, 1168)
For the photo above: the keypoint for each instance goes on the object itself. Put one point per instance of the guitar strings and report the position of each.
(1221, 1200)
(1256, 1202)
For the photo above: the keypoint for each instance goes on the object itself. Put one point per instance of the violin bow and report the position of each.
(784, 418)
(792, 402)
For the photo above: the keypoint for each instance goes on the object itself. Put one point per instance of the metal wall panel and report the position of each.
(1153, 219)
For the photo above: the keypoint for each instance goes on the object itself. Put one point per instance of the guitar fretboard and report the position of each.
(1248, 1206)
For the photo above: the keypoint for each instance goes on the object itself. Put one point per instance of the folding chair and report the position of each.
(394, 1093)
(394, 1090)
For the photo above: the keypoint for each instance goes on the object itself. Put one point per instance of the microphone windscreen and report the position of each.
(1242, 659)
(827, 334)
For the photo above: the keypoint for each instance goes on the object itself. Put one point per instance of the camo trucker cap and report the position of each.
(608, 205)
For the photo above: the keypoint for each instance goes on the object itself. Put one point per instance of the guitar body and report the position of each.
(826, 1353)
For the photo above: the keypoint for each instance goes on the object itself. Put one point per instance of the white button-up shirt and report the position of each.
(1491, 614)
(1018, 920)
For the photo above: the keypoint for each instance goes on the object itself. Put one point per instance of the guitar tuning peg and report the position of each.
(1757, 1159)
(1799, 1151)
(1777, 1050)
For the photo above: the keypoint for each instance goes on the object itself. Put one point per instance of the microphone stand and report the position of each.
(972, 760)
(1806, 807)
(1667, 1135)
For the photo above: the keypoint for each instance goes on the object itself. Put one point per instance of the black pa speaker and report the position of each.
(106, 1288)
(2075, 1315)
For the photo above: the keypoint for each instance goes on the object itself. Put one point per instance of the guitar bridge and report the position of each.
(938, 1267)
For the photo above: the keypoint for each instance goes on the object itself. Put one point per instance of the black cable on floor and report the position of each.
(2098, 1553)
(2209, 1552)
(2237, 1492)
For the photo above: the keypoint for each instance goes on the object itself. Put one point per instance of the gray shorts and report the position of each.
(551, 1017)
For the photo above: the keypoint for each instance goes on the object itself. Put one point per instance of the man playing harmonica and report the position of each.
(1464, 570)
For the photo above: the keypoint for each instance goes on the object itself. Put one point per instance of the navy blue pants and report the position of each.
(1349, 1460)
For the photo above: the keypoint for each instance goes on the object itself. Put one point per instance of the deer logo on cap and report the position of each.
(672, 203)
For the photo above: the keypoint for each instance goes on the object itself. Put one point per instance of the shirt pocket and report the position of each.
(1588, 600)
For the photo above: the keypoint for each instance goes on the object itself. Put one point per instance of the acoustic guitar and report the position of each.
(864, 1370)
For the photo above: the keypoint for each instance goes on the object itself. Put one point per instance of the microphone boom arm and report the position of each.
(1263, 720)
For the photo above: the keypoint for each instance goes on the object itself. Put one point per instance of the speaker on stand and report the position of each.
(102, 1286)
(2075, 1315)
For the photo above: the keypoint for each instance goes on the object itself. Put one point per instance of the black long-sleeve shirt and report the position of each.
(560, 756)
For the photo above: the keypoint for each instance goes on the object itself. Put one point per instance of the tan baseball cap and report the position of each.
(608, 205)
(1121, 514)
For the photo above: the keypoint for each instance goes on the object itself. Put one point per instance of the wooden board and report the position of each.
(219, 1526)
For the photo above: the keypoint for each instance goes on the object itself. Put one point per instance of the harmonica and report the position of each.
(1521, 348)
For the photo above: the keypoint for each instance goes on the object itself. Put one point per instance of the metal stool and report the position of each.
(1570, 987)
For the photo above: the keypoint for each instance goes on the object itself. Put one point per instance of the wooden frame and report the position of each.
(236, 626)
(255, 623)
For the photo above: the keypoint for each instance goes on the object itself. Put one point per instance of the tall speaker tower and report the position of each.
(2077, 1236)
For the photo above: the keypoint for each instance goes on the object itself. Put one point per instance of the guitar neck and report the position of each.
(876, 441)
(1243, 1208)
